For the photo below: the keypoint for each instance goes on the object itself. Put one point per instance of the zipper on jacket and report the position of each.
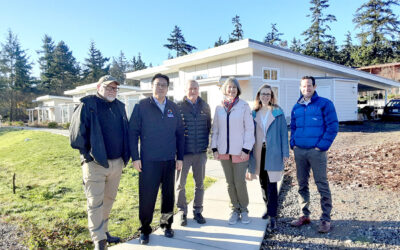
(227, 132)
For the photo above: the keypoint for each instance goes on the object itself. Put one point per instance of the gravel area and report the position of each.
(10, 236)
(364, 216)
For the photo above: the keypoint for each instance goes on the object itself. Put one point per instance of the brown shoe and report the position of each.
(324, 227)
(300, 221)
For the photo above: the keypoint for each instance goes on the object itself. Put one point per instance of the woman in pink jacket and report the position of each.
(231, 141)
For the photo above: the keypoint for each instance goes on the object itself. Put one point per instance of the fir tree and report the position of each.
(95, 65)
(219, 42)
(315, 35)
(296, 45)
(118, 67)
(178, 43)
(273, 37)
(345, 55)
(15, 77)
(237, 33)
(379, 29)
(46, 60)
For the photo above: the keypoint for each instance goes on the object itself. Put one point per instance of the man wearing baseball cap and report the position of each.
(99, 130)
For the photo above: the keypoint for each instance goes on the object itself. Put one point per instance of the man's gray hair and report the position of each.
(188, 82)
(235, 82)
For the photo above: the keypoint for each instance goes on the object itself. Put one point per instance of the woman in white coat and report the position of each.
(270, 151)
(231, 141)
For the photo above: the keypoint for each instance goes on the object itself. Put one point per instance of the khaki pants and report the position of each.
(101, 186)
(235, 174)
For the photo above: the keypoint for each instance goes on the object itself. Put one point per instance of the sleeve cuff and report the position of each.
(214, 150)
(247, 151)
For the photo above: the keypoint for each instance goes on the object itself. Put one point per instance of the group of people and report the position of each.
(175, 137)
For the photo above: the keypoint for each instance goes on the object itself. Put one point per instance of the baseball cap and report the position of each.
(107, 79)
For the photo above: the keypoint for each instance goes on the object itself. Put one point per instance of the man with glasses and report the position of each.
(99, 130)
(157, 123)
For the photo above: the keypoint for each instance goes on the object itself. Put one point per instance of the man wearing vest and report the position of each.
(197, 121)
(99, 130)
(157, 123)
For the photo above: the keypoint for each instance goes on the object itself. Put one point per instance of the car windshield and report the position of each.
(395, 104)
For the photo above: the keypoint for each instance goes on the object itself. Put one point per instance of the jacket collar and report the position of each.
(313, 98)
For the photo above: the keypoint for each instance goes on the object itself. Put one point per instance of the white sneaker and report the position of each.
(245, 217)
(234, 218)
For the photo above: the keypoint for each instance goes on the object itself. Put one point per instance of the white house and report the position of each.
(60, 108)
(254, 63)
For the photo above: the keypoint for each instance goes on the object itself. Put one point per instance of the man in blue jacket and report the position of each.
(156, 121)
(314, 126)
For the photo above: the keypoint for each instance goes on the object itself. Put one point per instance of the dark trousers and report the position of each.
(153, 174)
(269, 189)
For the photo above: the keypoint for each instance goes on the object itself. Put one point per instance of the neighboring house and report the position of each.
(388, 70)
(254, 63)
(60, 108)
(51, 109)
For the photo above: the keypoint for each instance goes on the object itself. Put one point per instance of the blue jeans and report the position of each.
(307, 159)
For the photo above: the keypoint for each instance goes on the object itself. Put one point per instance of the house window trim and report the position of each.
(269, 80)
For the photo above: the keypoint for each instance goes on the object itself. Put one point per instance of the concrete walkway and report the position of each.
(216, 233)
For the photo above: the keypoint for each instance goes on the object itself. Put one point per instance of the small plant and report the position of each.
(52, 125)
(66, 125)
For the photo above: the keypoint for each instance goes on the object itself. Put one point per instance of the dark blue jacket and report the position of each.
(86, 134)
(161, 134)
(197, 122)
(314, 125)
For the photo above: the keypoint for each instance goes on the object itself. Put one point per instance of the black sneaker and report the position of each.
(271, 226)
(112, 239)
(144, 239)
(199, 218)
(168, 232)
(183, 218)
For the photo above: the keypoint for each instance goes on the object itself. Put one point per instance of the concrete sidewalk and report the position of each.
(216, 233)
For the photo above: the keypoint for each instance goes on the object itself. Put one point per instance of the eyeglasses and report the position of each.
(263, 94)
(113, 89)
(161, 85)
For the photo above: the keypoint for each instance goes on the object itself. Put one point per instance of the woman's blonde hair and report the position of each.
(257, 101)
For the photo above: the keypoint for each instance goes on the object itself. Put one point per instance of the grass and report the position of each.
(49, 204)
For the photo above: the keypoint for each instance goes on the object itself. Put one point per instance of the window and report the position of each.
(270, 75)
(204, 96)
(171, 86)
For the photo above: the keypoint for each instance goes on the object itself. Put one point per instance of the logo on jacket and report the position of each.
(169, 113)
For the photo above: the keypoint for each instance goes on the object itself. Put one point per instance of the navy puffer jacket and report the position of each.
(197, 121)
(314, 125)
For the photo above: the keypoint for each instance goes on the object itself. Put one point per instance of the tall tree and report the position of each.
(46, 60)
(273, 37)
(237, 33)
(63, 71)
(345, 54)
(178, 43)
(119, 66)
(296, 45)
(315, 35)
(15, 77)
(330, 52)
(219, 42)
(95, 65)
(379, 29)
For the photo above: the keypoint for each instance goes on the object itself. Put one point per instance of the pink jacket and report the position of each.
(241, 129)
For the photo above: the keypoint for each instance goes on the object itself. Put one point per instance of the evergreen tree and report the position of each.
(46, 60)
(345, 55)
(14, 77)
(330, 52)
(219, 42)
(237, 33)
(178, 43)
(296, 45)
(138, 64)
(379, 27)
(273, 37)
(118, 67)
(315, 35)
(95, 65)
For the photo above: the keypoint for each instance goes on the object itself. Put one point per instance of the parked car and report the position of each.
(392, 110)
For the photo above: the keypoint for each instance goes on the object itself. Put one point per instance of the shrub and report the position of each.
(66, 125)
(52, 125)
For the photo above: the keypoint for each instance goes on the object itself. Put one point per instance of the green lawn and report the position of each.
(49, 203)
